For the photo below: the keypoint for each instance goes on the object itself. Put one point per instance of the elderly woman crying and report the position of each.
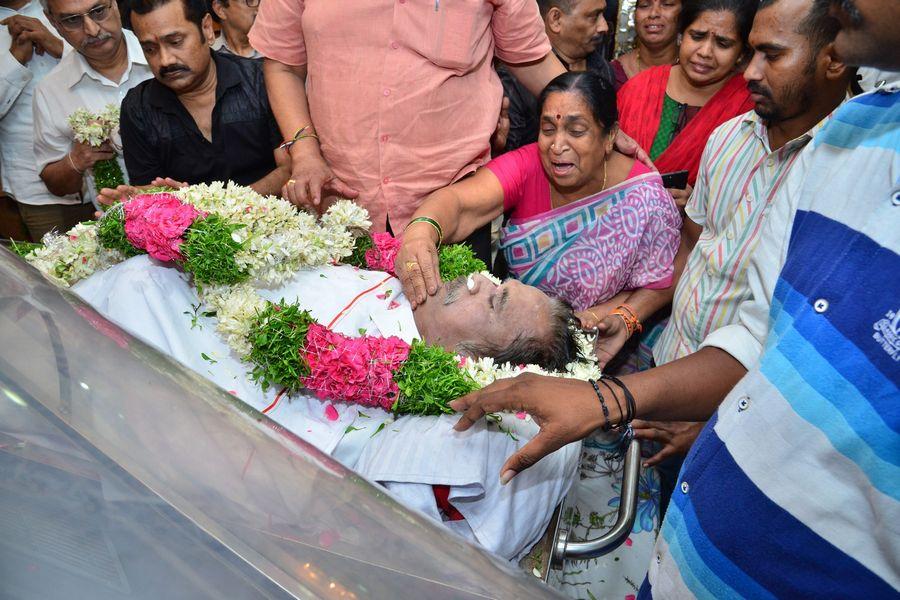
(586, 223)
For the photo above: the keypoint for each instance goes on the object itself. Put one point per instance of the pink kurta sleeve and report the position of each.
(519, 34)
(277, 32)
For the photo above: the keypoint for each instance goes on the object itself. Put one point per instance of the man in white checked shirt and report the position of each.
(796, 81)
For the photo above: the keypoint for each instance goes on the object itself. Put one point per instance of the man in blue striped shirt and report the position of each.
(793, 488)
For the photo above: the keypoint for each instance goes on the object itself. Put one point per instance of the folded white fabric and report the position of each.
(417, 452)
(156, 303)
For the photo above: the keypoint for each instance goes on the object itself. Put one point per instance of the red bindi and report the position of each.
(558, 117)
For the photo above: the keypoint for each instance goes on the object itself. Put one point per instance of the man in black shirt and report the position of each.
(205, 116)
(578, 34)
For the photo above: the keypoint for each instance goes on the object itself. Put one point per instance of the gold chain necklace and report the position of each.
(554, 204)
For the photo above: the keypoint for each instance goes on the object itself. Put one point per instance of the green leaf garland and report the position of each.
(209, 250)
(111, 232)
(107, 174)
(458, 260)
(276, 338)
(429, 380)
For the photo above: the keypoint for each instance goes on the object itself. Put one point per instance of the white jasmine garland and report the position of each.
(94, 129)
(67, 258)
(278, 241)
(236, 308)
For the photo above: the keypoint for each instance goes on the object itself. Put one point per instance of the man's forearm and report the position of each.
(687, 389)
(536, 75)
(61, 178)
(271, 184)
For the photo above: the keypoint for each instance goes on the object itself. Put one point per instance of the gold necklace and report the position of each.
(554, 204)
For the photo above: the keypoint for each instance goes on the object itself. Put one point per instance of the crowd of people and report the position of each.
(718, 204)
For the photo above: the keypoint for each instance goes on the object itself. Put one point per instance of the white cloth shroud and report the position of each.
(157, 304)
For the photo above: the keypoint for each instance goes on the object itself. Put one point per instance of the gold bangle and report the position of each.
(433, 223)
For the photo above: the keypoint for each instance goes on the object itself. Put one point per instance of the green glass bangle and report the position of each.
(433, 223)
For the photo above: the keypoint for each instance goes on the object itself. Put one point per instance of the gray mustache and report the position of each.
(104, 35)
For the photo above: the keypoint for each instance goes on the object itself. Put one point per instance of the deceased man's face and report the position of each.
(483, 313)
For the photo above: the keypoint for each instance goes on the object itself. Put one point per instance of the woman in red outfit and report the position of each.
(671, 110)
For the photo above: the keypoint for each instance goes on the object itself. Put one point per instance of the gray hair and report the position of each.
(553, 351)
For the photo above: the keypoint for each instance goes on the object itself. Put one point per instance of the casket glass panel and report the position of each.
(125, 475)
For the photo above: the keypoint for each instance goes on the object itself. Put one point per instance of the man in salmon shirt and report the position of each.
(397, 97)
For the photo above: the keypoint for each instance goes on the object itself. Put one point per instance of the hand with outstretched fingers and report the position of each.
(566, 410)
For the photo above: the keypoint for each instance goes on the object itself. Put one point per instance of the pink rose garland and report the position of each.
(381, 256)
(357, 370)
(157, 222)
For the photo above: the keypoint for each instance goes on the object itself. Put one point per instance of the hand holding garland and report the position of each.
(92, 148)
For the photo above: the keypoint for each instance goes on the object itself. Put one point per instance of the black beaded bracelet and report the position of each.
(616, 398)
(602, 404)
(629, 399)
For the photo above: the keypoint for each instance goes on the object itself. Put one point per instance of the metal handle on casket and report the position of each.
(620, 530)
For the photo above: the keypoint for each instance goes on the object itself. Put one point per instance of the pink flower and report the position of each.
(157, 222)
(380, 257)
(630, 597)
(521, 415)
(394, 304)
(628, 542)
(331, 413)
(358, 370)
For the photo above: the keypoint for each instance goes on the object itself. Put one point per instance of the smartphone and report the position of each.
(676, 179)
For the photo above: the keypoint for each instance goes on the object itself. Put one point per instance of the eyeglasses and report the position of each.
(98, 14)
(251, 3)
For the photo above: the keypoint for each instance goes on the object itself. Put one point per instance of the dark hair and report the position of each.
(194, 10)
(743, 11)
(818, 27)
(552, 353)
(564, 5)
(212, 13)
(597, 93)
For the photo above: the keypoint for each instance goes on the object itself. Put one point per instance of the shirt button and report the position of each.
(820, 305)
(385, 138)
(771, 162)
(386, 180)
(658, 559)
(386, 92)
(395, 45)
(895, 200)
(743, 403)
(685, 487)
(729, 235)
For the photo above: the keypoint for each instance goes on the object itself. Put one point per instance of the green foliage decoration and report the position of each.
(458, 260)
(107, 174)
(276, 338)
(111, 232)
(209, 251)
(429, 380)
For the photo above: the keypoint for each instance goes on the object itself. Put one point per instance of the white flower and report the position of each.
(236, 308)
(491, 278)
(94, 129)
(70, 257)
